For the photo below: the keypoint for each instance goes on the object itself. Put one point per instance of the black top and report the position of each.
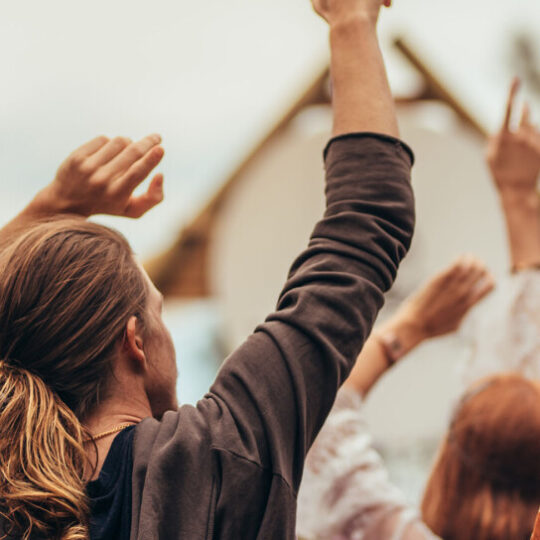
(110, 494)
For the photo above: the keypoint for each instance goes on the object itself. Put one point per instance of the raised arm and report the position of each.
(280, 385)
(437, 309)
(98, 178)
(514, 159)
(274, 392)
(362, 99)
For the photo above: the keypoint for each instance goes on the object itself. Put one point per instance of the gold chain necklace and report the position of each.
(106, 433)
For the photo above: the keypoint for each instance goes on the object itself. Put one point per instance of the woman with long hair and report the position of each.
(93, 443)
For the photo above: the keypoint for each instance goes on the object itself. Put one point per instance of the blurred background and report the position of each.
(239, 92)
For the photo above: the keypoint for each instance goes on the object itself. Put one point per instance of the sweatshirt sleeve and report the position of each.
(273, 394)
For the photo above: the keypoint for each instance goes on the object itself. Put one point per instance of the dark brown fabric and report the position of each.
(230, 468)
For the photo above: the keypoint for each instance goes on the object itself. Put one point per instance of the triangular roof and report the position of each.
(182, 270)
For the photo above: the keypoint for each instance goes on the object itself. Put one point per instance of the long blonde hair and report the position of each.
(67, 290)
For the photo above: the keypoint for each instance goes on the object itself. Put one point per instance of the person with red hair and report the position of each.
(346, 492)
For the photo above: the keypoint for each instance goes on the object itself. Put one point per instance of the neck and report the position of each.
(111, 414)
(126, 405)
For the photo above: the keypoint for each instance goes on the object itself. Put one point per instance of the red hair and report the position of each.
(486, 482)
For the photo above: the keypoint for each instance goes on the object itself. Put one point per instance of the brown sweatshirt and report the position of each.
(230, 468)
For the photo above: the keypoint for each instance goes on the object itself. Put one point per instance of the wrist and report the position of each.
(400, 336)
(352, 23)
(48, 203)
(44, 203)
(522, 197)
(522, 217)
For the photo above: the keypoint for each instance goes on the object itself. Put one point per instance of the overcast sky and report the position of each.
(210, 76)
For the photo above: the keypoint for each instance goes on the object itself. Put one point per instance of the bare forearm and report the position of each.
(436, 309)
(522, 216)
(374, 360)
(362, 99)
(370, 366)
(42, 206)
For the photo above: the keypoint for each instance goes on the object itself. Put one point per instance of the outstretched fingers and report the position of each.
(510, 103)
(101, 175)
(482, 288)
(138, 171)
(130, 155)
(475, 280)
(525, 120)
(529, 129)
(106, 153)
(138, 206)
(91, 147)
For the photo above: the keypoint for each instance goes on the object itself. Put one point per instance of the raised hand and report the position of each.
(435, 310)
(97, 178)
(441, 305)
(100, 177)
(335, 10)
(514, 159)
(513, 155)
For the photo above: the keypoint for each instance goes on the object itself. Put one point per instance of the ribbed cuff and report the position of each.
(367, 134)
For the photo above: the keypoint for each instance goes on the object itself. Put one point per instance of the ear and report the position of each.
(133, 344)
